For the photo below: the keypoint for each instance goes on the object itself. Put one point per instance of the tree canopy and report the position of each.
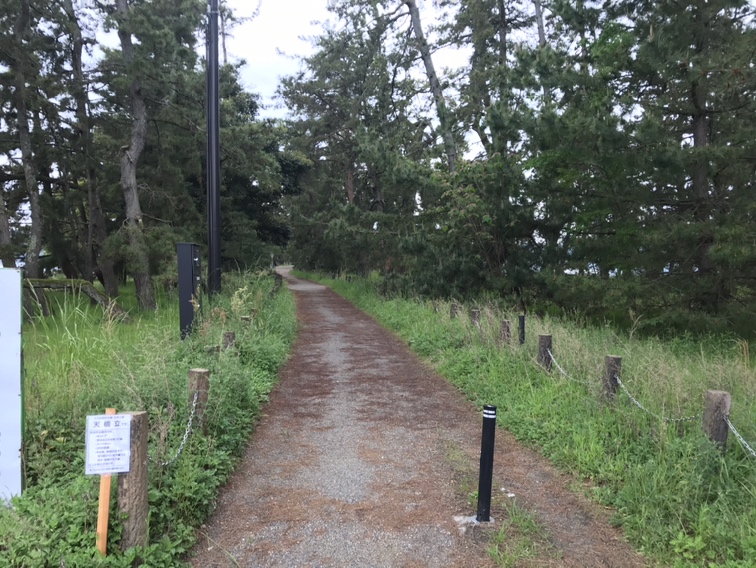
(617, 159)
(591, 157)
(104, 148)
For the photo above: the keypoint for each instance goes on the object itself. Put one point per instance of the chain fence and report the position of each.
(740, 438)
(660, 417)
(184, 440)
(564, 373)
(647, 411)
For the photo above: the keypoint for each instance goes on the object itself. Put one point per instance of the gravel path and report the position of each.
(356, 462)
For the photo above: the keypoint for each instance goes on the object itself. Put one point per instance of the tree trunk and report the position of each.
(139, 262)
(502, 32)
(712, 293)
(438, 96)
(541, 42)
(378, 201)
(38, 286)
(479, 83)
(20, 31)
(350, 183)
(6, 250)
(96, 231)
(539, 23)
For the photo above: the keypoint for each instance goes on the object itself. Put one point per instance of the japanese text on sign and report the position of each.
(108, 444)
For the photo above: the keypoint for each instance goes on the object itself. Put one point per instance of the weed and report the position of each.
(521, 540)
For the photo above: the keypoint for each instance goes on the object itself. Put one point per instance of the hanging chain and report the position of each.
(739, 437)
(646, 410)
(564, 373)
(187, 432)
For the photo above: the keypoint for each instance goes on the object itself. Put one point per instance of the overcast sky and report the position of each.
(280, 26)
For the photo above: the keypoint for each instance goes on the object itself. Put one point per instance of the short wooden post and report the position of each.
(506, 332)
(103, 509)
(199, 382)
(716, 408)
(246, 319)
(544, 348)
(612, 368)
(229, 339)
(453, 310)
(475, 317)
(132, 487)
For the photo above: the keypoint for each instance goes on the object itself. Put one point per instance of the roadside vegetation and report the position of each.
(80, 361)
(679, 501)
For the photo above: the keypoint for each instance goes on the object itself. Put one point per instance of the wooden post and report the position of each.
(716, 409)
(506, 332)
(453, 309)
(132, 487)
(612, 368)
(229, 339)
(475, 317)
(199, 382)
(246, 319)
(103, 508)
(544, 347)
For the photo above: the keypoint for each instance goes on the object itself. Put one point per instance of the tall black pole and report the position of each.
(213, 155)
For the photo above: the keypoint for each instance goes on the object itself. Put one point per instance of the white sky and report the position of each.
(279, 27)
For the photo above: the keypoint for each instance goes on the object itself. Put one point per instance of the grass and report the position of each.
(678, 499)
(521, 540)
(80, 362)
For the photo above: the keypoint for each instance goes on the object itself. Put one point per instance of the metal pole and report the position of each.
(486, 464)
(522, 330)
(213, 155)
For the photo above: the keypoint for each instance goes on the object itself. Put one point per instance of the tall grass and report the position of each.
(81, 359)
(80, 362)
(678, 499)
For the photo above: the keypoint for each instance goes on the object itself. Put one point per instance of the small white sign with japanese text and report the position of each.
(108, 444)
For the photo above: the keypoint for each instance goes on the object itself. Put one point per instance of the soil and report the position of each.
(364, 456)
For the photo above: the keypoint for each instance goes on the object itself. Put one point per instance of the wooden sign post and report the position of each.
(103, 507)
(108, 450)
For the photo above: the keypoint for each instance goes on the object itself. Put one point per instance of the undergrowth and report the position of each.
(678, 499)
(79, 362)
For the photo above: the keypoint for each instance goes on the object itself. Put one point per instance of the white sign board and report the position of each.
(10, 383)
(108, 444)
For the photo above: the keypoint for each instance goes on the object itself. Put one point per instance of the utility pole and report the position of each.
(213, 155)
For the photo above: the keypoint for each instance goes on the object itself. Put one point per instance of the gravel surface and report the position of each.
(350, 464)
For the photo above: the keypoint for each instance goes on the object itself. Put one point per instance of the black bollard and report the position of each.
(486, 464)
(189, 284)
(522, 330)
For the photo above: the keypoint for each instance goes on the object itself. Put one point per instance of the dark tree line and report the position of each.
(616, 164)
(102, 149)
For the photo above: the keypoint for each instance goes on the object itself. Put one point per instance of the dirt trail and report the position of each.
(356, 462)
